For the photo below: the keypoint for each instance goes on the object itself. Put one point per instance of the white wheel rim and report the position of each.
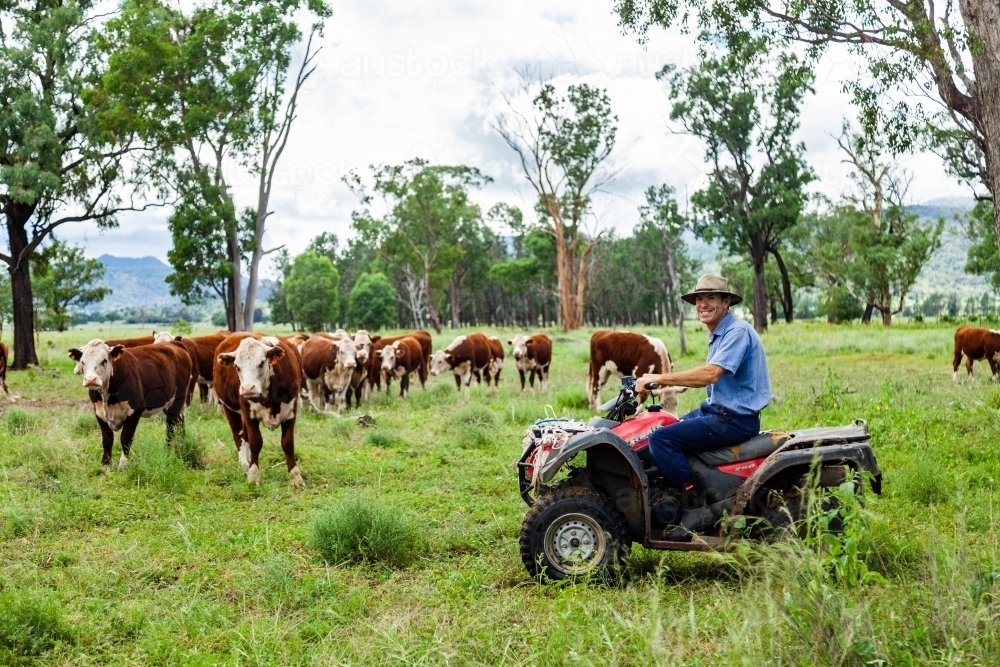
(575, 544)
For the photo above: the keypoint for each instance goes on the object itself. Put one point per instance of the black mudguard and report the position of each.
(859, 456)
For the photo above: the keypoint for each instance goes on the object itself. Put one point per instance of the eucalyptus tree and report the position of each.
(663, 224)
(424, 229)
(562, 144)
(743, 104)
(950, 48)
(63, 154)
(217, 92)
(71, 279)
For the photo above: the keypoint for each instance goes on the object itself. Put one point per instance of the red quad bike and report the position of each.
(583, 525)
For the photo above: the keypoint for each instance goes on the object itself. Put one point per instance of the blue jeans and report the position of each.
(702, 430)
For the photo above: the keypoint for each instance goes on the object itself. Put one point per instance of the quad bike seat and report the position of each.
(759, 446)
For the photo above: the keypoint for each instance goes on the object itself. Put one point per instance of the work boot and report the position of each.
(695, 513)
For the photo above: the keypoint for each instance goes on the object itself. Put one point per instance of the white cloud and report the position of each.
(398, 80)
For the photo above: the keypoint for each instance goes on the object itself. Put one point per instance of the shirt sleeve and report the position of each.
(731, 351)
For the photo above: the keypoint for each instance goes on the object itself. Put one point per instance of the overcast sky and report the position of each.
(399, 80)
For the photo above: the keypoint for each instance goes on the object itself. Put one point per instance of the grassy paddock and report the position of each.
(402, 548)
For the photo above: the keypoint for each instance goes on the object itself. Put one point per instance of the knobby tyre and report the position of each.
(575, 534)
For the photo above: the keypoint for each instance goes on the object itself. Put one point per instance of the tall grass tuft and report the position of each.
(19, 421)
(475, 426)
(153, 464)
(361, 529)
(190, 449)
(30, 625)
(381, 437)
(85, 426)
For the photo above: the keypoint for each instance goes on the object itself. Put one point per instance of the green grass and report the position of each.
(177, 560)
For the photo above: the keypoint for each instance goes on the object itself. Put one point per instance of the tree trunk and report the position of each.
(867, 317)
(675, 285)
(20, 284)
(786, 287)
(235, 314)
(258, 252)
(432, 312)
(982, 17)
(757, 256)
(887, 316)
(455, 302)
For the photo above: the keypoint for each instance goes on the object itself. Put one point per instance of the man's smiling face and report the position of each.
(711, 307)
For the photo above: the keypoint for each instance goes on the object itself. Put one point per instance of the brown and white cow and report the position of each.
(467, 355)
(190, 348)
(496, 361)
(257, 379)
(400, 359)
(359, 378)
(4, 358)
(126, 343)
(204, 351)
(328, 362)
(622, 353)
(375, 375)
(533, 355)
(976, 344)
(126, 384)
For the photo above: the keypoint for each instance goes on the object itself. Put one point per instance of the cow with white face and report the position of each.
(328, 363)
(257, 379)
(532, 354)
(401, 359)
(467, 356)
(125, 385)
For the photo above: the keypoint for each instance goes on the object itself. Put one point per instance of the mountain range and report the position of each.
(141, 282)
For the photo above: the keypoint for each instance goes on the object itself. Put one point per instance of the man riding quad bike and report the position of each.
(668, 483)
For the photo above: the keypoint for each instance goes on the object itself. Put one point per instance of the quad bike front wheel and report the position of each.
(576, 534)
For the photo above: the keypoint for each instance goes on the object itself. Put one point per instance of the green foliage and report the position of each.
(31, 625)
(372, 303)
(432, 232)
(362, 529)
(744, 104)
(573, 398)
(382, 438)
(189, 448)
(152, 463)
(66, 278)
(311, 290)
(19, 421)
(181, 328)
(840, 306)
(984, 256)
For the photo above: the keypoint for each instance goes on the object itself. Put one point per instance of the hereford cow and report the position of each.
(621, 353)
(400, 359)
(976, 344)
(133, 342)
(4, 357)
(496, 361)
(328, 362)
(191, 350)
(359, 378)
(204, 350)
(467, 355)
(532, 354)
(257, 379)
(126, 384)
(375, 364)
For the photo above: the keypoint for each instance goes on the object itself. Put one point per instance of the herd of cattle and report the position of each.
(257, 379)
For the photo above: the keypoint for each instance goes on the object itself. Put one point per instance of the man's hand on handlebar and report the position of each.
(646, 384)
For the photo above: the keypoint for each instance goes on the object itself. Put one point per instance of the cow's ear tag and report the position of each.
(273, 354)
(116, 352)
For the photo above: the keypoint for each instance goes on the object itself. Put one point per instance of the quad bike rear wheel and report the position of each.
(575, 534)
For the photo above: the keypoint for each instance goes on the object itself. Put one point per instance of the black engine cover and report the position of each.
(665, 507)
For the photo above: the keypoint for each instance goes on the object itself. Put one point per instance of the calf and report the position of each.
(126, 384)
(257, 379)
(532, 354)
(976, 344)
(400, 359)
(467, 355)
(4, 356)
(375, 364)
(328, 362)
(496, 361)
(621, 353)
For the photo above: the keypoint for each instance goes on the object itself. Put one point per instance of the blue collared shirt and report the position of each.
(745, 387)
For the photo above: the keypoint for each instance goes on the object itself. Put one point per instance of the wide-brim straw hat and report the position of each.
(709, 284)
